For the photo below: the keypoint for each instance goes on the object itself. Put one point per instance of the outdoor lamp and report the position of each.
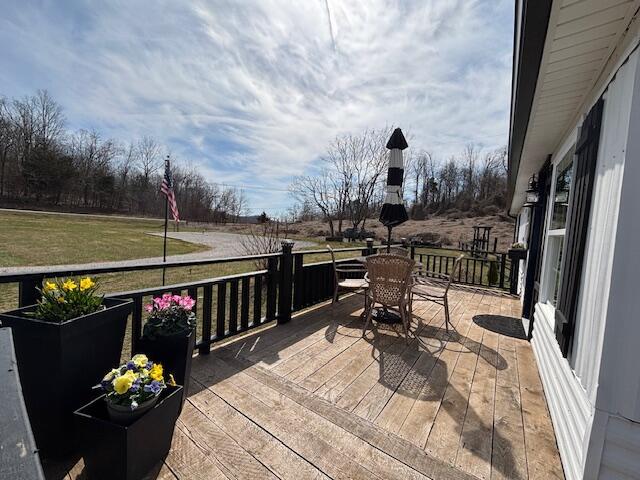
(532, 195)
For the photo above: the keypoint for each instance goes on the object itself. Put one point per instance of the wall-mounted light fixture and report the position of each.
(532, 195)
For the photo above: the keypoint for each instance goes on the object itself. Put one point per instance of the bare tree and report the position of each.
(264, 238)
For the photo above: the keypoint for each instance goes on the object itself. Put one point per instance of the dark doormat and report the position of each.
(508, 326)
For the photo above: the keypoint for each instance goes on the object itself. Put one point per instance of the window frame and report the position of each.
(547, 283)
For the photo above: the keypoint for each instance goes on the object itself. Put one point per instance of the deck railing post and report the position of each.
(27, 291)
(285, 289)
(370, 246)
(412, 249)
(515, 275)
(503, 266)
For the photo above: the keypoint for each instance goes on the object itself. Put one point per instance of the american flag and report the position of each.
(167, 189)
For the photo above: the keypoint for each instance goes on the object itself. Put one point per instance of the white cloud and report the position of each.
(254, 90)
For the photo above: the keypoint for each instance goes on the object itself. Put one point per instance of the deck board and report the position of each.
(314, 399)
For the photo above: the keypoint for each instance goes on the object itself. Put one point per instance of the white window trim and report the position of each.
(545, 275)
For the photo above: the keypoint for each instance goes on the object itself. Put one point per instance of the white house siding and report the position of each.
(571, 386)
(617, 436)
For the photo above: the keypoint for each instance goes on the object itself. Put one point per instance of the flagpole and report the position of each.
(166, 223)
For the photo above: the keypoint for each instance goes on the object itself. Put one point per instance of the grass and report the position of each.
(32, 239)
(42, 239)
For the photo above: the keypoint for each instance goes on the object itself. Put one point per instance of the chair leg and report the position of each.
(446, 314)
(403, 316)
(410, 305)
(366, 322)
(335, 296)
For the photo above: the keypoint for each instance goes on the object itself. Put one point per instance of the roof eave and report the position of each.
(528, 49)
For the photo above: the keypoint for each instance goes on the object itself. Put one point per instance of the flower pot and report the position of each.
(127, 452)
(174, 352)
(124, 415)
(59, 363)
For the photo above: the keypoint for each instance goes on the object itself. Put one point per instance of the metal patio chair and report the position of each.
(344, 284)
(434, 287)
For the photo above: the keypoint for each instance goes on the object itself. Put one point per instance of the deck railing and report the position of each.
(233, 304)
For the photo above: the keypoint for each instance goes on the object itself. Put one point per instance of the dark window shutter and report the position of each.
(584, 170)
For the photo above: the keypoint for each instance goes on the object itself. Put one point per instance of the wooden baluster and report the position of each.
(233, 307)
(503, 266)
(272, 287)
(244, 308)
(257, 300)
(221, 311)
(207, 300)
(298, 281)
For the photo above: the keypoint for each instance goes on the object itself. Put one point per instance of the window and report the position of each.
(557, 227)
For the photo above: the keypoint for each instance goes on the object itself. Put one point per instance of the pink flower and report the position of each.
(177, 299)
(187, 302)
(148, 307)
(166, 296)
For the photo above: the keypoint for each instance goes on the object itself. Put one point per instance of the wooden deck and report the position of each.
(313, 399)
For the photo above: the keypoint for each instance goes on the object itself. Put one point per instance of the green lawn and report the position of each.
(31, 239)
(42, 239)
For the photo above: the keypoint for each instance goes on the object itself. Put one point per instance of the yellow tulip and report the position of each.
(49, 286)
(69, 285)
(86, 283)
(61, 300)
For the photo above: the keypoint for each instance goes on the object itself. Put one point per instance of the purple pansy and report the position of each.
(154, 387)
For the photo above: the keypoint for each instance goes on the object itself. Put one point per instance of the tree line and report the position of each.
(42, 163)
(348, 186)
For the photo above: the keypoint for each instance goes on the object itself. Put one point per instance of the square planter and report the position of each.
(127, 452)
(174, 352)
(59, 363)
(517, 253)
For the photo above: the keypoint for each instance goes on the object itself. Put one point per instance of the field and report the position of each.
(32, 239)
(42, 239)
(450, 228)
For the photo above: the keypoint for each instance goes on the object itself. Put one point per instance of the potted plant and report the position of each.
(169, 335)
(63, 343)
(126, 433)
(133, 388)
(518, 251)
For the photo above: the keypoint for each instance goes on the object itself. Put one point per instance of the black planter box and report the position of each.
(129, 452)
(175, 353)
(517, 253)
(59, 363)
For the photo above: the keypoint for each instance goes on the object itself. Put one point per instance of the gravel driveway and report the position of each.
(221, 245)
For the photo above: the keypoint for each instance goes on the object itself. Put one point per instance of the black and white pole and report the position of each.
(393, 211)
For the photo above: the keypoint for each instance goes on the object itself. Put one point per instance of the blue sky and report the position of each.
(252, 91)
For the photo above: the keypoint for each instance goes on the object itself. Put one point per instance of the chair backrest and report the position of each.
(403, 252)
(335, 267)
(389, 277)
(454, 271)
